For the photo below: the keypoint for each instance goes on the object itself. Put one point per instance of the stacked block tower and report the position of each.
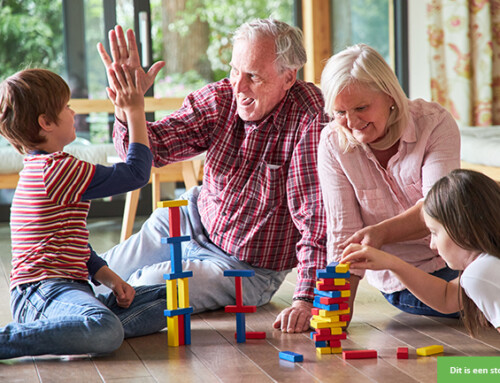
(331, 310)
(241, 309)
(178, 311)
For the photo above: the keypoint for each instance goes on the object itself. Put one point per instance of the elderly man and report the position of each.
(260, 206)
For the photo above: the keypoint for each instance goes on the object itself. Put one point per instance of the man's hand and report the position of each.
(128, 55)
(294, 319)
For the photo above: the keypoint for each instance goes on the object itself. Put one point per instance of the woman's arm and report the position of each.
(435, 292)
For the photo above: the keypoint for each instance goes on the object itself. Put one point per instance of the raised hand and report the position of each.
(124, 52)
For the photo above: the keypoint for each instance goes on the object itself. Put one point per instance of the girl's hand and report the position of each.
(124, 294)
(365, 257)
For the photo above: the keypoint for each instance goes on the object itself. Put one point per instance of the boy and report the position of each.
(54, 307)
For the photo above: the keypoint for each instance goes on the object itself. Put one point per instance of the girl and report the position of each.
(462, 212)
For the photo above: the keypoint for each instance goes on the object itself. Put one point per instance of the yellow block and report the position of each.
(430, 350)
(172, 294)
(339, 281)
(183, 293)
(173, 331)
(345, 293)
(336, 350)
(323, 350)
(321, 324)
(342, 268)
(326, 313)
(174, 203)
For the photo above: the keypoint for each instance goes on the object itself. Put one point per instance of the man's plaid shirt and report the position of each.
(261, 200)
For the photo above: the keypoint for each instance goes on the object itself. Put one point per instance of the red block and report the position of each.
(181, 330)
(322, 287)
(402, 353)
(331, 301)
(359, 354)
(329, 337)
(174, 220)
(315, 311)
(253, 335)
(240, 309)
(344, 318)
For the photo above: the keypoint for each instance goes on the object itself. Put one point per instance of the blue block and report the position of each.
(311, 334)
(323, 274)
(187, 328)
(176, 257)
(240, 328)
(175, 239)
(291, 356)
(184, 274)
(239, 273)
(328, 294)
(333, 307)
(176, 312)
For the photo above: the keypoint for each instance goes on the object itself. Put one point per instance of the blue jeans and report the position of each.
(407, 302)
(64, 317)
(143, 259)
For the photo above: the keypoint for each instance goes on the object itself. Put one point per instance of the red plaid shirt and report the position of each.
(261, 199)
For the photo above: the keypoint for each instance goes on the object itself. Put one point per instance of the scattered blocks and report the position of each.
(291, 356)
(252, 335)
(359, 354)
(402, 353)
(430, 350)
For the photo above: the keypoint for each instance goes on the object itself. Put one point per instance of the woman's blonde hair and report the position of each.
(361, 64)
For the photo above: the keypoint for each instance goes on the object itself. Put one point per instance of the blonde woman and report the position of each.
(378, 157)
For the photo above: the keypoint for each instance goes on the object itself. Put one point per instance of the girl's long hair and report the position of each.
(467, 204)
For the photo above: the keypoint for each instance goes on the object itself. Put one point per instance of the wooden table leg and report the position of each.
(129, 213)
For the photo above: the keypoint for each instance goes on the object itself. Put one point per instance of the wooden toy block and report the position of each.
(331, 275)
(184, 238)
(187, 328)
(336, 350)
(183, 292)
(342, 268)
(173, 203)
(176, 258)
(239, 291)
(240, 309)
(359, 354)
(321, 343)
(291, 356)
(239, 273)
(329, 337)
(173, 331)
(174, 221)
(331, 301)
(320, 324)
(334, 307)
(327, 293)
(176, 312)
(172, 276)
(340, 281)
(323, 350)
(180, 322)
(329, 331)
(253, 335)
(345, 318)
(172, 294)
(322, 287)
(430, 350)
(402, 353)
(326, 313)
(240, 328)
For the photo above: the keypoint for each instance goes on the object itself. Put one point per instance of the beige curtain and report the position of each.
(464, 38)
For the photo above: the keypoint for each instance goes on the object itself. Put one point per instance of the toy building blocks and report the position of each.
(359, 354)
(252, 335)
(430, 350)
(291, 356)
(402, 353)
(239, 308)
(178, 311)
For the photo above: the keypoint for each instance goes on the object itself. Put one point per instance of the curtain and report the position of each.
(464, 38)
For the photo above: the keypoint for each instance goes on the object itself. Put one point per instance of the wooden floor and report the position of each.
(214, 355)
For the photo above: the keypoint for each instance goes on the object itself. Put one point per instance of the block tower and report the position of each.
(239, 308)
(331, 310)
(178, 311)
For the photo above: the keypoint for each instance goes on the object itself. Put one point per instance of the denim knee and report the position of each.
(106, 333)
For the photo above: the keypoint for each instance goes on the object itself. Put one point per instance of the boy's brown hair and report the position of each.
(25, 96)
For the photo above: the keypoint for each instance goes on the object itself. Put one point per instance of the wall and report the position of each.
(418, 53)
